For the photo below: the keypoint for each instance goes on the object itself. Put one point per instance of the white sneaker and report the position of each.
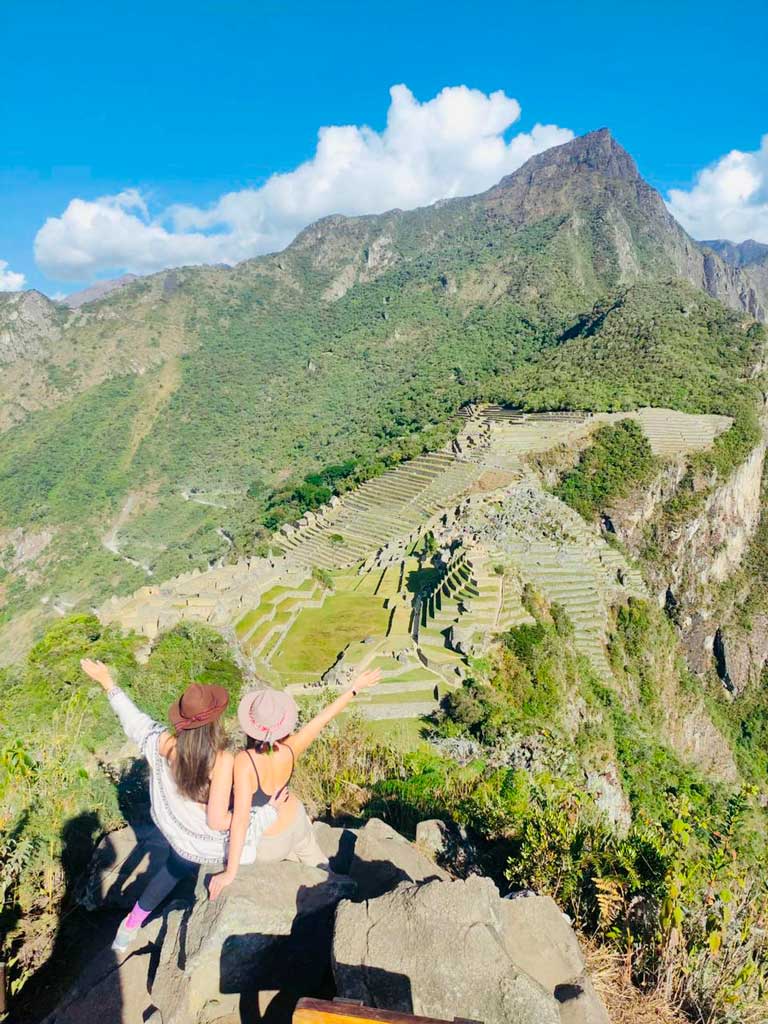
(124, 937)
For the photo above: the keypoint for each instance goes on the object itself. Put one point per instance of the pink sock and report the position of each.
(137, 917)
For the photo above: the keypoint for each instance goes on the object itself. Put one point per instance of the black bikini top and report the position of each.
(260, 798)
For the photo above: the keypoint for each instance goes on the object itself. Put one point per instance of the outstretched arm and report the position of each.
(309, 733)
(137, 726)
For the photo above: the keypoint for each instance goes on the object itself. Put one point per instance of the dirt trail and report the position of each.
(110, 538)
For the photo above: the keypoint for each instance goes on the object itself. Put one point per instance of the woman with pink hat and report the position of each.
(190, 785)
(263, 771)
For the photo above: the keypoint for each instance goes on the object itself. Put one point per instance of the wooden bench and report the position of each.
(343, 1011)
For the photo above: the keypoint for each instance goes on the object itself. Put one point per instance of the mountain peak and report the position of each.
(739, 254)
(596, 151)
(98, 290)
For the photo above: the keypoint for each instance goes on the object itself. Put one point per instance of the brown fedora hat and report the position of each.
(197, 706)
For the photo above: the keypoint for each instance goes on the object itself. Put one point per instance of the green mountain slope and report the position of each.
(662, 344)
(153, 425)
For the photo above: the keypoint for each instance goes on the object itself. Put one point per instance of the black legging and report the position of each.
(165, 880)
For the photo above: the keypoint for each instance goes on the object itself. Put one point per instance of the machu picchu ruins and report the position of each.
(416, 570)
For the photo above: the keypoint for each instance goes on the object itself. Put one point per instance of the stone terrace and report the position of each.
(528, 534)
(471, 603)
(391, 507)
(565, 559)
(673, 433)
(218, 596)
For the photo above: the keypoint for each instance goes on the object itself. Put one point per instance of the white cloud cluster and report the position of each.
(454, 144)
(10, 281)
(729, 199)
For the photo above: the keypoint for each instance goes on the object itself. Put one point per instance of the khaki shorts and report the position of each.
(297, 843)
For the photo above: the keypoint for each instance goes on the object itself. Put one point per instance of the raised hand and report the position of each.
(368, 678)
(99, 672)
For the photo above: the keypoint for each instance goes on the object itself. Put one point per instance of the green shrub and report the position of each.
(618, 459)
(56, 798)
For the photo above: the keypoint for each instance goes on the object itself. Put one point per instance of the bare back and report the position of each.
(269, 773)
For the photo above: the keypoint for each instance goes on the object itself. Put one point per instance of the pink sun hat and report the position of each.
(267, 715)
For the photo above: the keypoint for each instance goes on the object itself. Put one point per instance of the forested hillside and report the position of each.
(568, 609)
(172, 421)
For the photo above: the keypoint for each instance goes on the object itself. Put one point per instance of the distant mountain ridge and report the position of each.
(591, 183)
(97, 291)
(749, 257)
(739, 254)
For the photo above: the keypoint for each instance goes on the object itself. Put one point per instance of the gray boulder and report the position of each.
(383, 858)
(112, 989)
(610, 798)
(270, 930)
(436, 949)
(540, 941)
(121, 865)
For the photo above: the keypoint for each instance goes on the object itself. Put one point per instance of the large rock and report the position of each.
(270, 930)
(610, 799)
(121, 866)
(540, 941)
(383, 858)
(112, 988)
(438, 950)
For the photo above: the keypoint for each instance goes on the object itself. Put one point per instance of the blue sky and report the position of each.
(169, 106)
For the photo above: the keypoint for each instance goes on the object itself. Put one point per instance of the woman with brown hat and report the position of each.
(189, 789)
(263, 771)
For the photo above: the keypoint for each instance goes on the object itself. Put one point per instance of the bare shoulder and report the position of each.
(242, 761)
(225, 760)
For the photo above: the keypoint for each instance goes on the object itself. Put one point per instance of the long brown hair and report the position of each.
(196, 751)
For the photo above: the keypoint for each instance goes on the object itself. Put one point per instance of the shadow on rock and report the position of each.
(80, 949)
(269, 935)
(394, 991)
(293, 965)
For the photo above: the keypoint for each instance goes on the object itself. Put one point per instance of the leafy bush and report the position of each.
(56, 798)
(618, 459)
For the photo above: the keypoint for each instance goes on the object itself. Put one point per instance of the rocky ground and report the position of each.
(400, 926)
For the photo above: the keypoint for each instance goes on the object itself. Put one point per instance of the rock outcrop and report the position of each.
(383, 859)
(740, 654)
(447, 949)
(539, 940)
(121, 863)
(387, 925)
(270, 930)
(699, 554)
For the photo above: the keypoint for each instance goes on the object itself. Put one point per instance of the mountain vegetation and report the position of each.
(618, 459)
(180, 415)
(177, 420)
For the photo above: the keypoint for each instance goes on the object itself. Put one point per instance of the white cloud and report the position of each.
(10, 281)
(453, 144)
(729, 199)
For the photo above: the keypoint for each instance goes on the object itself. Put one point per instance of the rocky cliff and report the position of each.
(695, 552)
(29, 326)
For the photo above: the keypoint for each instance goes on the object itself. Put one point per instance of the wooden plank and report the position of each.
(340, 1011)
